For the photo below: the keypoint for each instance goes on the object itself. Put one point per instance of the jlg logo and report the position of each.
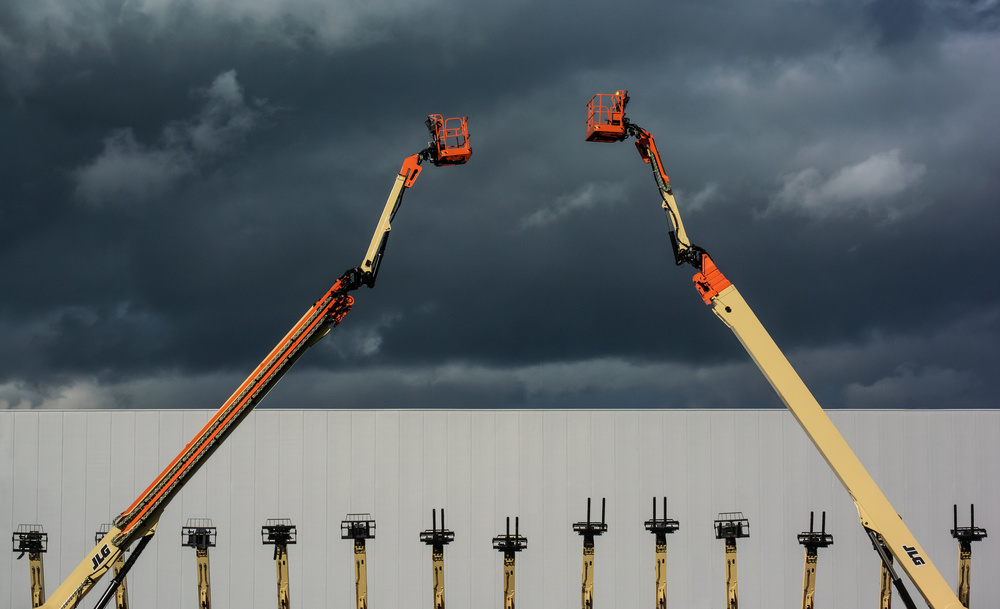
(104, 553)
(914, 555)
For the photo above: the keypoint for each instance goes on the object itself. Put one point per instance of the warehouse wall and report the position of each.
(73, 470)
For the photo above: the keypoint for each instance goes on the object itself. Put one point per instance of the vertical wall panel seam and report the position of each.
(13, 434)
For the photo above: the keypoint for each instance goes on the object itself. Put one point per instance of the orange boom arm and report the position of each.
(450, 146)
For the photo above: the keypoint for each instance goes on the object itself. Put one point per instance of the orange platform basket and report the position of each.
(606, 117)
(451, 139)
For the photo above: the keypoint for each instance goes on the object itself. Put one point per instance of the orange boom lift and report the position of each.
(449, 146)
(606, 122)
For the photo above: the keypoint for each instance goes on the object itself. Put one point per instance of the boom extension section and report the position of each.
(449, 146)
(606, 122)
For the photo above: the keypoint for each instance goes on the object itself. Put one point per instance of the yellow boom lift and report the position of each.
(437, 539)
(731, 526)
(589, 529)
(280, 532)
(965, 536)
(606, 122)
(660, 528)
(31, 539)
(199, 534)
(812, 540)
(510, 545)
(449, 146)
(359, 527)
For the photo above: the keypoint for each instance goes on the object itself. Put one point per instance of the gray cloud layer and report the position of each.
(182, 180)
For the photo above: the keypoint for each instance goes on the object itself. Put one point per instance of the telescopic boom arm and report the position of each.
(450, 146)
(607, 123)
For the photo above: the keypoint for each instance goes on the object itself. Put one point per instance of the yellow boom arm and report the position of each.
(607, 123)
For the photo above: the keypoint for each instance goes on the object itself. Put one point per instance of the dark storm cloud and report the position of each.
(127, 171)
(183, 180)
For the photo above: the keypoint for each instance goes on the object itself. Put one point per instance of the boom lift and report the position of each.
(660, 528)
(589, 529)
(449, 145)
(965, 536)
(280, 532)
(359, 527)
(812, 540)
(31, 539)
(606, 122)
(199, 534)
(437, 539)
(510, 545)
(731, 526)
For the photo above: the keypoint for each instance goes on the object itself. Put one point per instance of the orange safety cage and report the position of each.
(451, 139)
(606, 117)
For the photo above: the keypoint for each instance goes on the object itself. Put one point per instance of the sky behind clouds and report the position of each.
(182, 180)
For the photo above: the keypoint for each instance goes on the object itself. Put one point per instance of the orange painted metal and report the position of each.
(451, 139)
(710, 281)
(605, 117)
(646, 146)
(410, 169)
(329, 311)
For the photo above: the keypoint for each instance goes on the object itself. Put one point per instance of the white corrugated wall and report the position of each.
(74, 470)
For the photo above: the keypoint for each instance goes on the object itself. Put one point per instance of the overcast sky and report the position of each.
(180, 181)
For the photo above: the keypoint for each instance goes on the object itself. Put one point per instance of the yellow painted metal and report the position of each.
(809, 579)
(204, 580)
(281, 567)
(87, 573)
(874, 509)
(731, 579)
(360, 573)
(37, 569)
(508, 582)
(121, 594)
(661, 575)
(438, 579)
(885, 587)
(587, 600)
(964, 572)
(384, 224)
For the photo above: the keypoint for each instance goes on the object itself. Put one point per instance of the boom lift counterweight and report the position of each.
(449, 146)
(606, 122)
